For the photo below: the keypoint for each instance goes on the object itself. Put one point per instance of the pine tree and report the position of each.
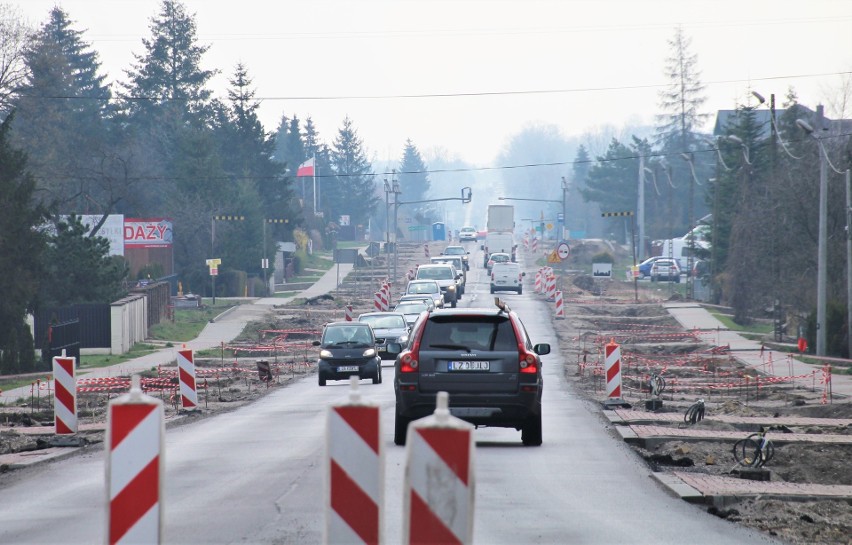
(683, 97)
(352, 191)
(167, 82)
(63, 107)
(21, 248)
(414, 179)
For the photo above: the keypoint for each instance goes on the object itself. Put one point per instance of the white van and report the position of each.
(507, 277)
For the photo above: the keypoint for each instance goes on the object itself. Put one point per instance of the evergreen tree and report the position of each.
(79, 268)
(413, 179)
(290, 151)
(21, 249)
(584, 216)
(352, 191)
(62, 110)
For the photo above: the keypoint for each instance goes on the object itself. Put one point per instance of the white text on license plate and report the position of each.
(469, 365)
(344, 368)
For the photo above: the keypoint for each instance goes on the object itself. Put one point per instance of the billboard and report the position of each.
(112, 230)
(148, 233)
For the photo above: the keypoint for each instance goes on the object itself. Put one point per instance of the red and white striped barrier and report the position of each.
(439, 480)
(551, 287)
(537, 287)
(348, 313)
(386, 300)
(612, 366)
(560, 308)
(354, 472)
(535, 245)
(410, 275)
(377, 301)
(186, 376)
(65, 386)
(426, 250)
(134, 469)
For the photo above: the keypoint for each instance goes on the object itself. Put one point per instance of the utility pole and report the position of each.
(822, 251)
(849, 259)
(640, 208)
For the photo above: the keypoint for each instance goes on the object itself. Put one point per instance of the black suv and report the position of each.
(484, 359)
(346, 349)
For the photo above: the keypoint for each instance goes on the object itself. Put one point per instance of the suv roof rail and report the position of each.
(501, 305)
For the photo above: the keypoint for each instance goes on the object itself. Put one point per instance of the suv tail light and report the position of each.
(492, 277)
(528, 362)
(409, 361)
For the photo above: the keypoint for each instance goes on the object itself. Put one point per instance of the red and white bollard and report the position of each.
(426, 250)
(387, 295)
(439, 479)
(377, 301)
(354, 472)
(348, 313)
(560, 309)
(65, 387)
(551, 287)
(535, 245)
(612, 369)
(410, 275)
(537, 287)
(186, 373)
(135, 438)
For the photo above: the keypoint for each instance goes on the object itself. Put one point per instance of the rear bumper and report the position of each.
(365, 369)
(508, 410)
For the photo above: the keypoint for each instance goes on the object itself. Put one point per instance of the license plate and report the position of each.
(344, 368)
(469, 366)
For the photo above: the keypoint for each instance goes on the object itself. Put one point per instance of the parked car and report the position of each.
(426, 287)
(645, 266)
(467, 234)
(411, 310)
(665, 269)
(347, 349)
(459, 251)
(388, 327)
(484, 359)
(507, 277)
(447, 277)
(497, 257)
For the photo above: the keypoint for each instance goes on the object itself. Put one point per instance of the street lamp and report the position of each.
(822, 245)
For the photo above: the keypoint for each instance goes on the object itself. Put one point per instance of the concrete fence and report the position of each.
(128, 322)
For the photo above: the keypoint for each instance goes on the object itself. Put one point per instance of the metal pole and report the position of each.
(822, 251)
(640, 208)
(849, 260)
(263, 262)
(635, 277)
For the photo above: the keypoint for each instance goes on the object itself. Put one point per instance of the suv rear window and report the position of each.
(469, 333)
(435, 273)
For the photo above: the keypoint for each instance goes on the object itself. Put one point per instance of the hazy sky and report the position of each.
(574, 64)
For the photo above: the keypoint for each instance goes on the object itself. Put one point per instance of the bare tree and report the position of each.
(14, 38)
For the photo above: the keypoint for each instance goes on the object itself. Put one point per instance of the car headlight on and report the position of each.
(451, 288)
(402, 339)
(325, 354)
(370, 352)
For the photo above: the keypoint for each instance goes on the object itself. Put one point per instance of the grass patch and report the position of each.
(315, 261)
(755, 328)
(95, 361)
(188, 323)
(285, 293)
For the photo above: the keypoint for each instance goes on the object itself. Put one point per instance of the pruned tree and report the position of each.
(14, 38)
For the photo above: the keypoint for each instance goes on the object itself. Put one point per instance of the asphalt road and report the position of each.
(255, 475)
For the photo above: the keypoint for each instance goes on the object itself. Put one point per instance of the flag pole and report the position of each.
(315, 184)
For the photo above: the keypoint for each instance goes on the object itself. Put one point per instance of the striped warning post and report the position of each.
(551, 287)
(537, 287)
(560, 308)
(348, 313)
(535, 245)
(186, 375)
(439, 484)
(612, 367)
(354, 472)
(426, 250)
(134, 468)
(377, 301)
(65, 408)
(385, 296)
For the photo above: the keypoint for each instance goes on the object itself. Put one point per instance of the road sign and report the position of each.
(416, 227)
(560, 218)
(213, 262)
(553, 257)
(549, 226)
(563, 250)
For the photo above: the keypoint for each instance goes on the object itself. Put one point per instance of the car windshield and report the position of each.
(435, 273)
(497, 258)
(425, 287)
(469, 333)
(454, 250)
(384, 322)
(347, 336)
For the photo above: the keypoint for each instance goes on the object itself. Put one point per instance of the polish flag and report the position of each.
(306, 168)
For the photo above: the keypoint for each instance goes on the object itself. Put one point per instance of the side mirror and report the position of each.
(316, 343)
(542, 349)
(394, 348)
